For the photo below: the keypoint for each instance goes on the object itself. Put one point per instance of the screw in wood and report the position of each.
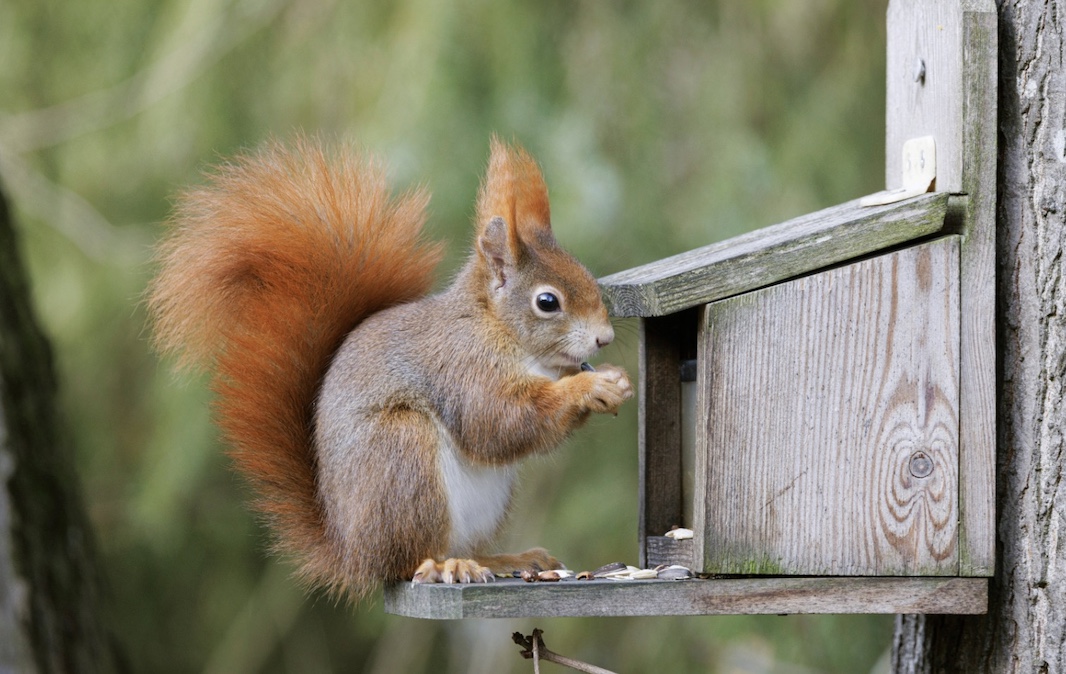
(921, 465)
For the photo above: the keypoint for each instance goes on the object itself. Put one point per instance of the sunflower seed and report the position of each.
(674, 572)
(642, 574)
(680, 534)
(613, 567)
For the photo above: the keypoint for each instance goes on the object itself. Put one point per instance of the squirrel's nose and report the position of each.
(605, 336)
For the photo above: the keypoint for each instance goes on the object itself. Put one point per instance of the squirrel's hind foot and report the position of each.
(483, 569)
(452, 571)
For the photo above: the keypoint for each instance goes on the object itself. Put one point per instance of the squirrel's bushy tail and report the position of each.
(267, 268)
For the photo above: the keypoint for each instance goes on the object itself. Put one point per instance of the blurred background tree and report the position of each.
(660, 127)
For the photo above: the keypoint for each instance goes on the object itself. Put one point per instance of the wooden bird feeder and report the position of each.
(817, 398)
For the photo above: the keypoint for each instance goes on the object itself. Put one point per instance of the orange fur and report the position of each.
(268, 267)
(514, 189)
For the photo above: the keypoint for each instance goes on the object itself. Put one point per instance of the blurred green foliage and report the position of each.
(661, 126)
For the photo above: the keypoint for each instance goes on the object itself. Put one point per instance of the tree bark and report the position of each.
(49, 615)
(1025, 628)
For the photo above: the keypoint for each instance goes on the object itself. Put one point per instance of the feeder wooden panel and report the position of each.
(722, 596)
(824, 434)
(941, 81)
(827, 422)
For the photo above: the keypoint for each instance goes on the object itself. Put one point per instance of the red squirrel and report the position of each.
(379, 425)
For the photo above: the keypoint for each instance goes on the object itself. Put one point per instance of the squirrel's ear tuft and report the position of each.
(514, 190)
(495, 243)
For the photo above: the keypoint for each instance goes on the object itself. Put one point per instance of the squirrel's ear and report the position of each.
(514, 190)
(495, 244)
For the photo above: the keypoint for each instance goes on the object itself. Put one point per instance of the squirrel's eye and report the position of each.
(547, 302)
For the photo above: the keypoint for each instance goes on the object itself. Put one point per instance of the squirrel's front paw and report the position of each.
(610, 388)
(452, 571)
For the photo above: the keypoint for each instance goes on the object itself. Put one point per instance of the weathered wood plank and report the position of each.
(977, 420)
(666, 550)
(830, 413)
(720, 596)
(955, 102)
(771, 255)
(659, 424)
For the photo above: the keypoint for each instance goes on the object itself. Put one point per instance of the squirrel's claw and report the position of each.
(427, 572)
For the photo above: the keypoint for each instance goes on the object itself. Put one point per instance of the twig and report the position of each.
(535, 650)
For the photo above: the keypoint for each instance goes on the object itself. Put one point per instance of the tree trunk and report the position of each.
(1025, 628)
(49, 618)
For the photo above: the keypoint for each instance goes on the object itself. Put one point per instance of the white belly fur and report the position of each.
(539, 370)
(477, 497)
